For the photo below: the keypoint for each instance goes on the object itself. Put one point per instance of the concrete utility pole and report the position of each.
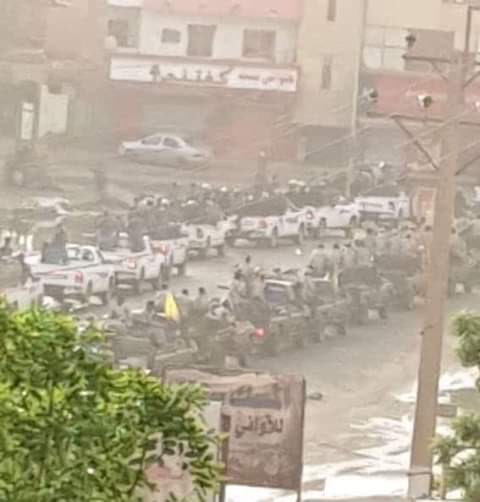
(434, 323)
(420, 481)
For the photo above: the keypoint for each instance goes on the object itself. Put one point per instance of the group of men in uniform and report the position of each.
(406, 240)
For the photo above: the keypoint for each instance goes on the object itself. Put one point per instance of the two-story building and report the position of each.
(222, 70)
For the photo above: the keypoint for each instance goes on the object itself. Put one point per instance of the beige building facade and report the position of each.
(329, 56)
(328, 49)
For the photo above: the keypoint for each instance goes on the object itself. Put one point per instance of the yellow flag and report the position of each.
(171, 309)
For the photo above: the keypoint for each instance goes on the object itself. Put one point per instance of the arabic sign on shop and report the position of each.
(204, 74)
(266, 434)
(263, 416)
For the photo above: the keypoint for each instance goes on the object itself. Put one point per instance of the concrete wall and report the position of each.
(339, 41)
(228, 37)
(22, 24)
(77, 32)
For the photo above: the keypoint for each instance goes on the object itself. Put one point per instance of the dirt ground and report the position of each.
(358, 375)
(71, 173)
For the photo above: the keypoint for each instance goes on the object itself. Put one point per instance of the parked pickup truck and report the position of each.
(336, 217)
(134, 268)
(172, 243)
(324, 211)
(205, 236)
(384, 203)
(271, 219)
(85, 273)
(19, 292)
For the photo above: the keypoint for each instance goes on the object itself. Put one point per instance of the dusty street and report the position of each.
(71, 170)
(358, 375)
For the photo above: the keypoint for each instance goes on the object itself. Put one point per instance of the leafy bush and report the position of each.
(460, 452)
(73, 429)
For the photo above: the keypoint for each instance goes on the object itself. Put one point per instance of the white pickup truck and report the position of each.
(205, 236)
(384, 203)
(18, 293)
(335, 217)
(172, 243)
(271, 219)
(86, 273)
(135, 268)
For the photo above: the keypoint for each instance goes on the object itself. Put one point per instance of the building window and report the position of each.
(332, 10)
(326, 83)
(259, 44)
(200, 40)
(170, 36)
(385, 47)
(122, 31)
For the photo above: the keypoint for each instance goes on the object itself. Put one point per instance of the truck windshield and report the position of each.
(80, 254)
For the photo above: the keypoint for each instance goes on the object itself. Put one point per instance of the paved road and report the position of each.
(358, 374)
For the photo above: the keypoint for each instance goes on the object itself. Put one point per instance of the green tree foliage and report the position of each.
(460, 452)
(73, 429)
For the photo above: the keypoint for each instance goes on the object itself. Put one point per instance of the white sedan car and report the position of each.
(168, 149)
